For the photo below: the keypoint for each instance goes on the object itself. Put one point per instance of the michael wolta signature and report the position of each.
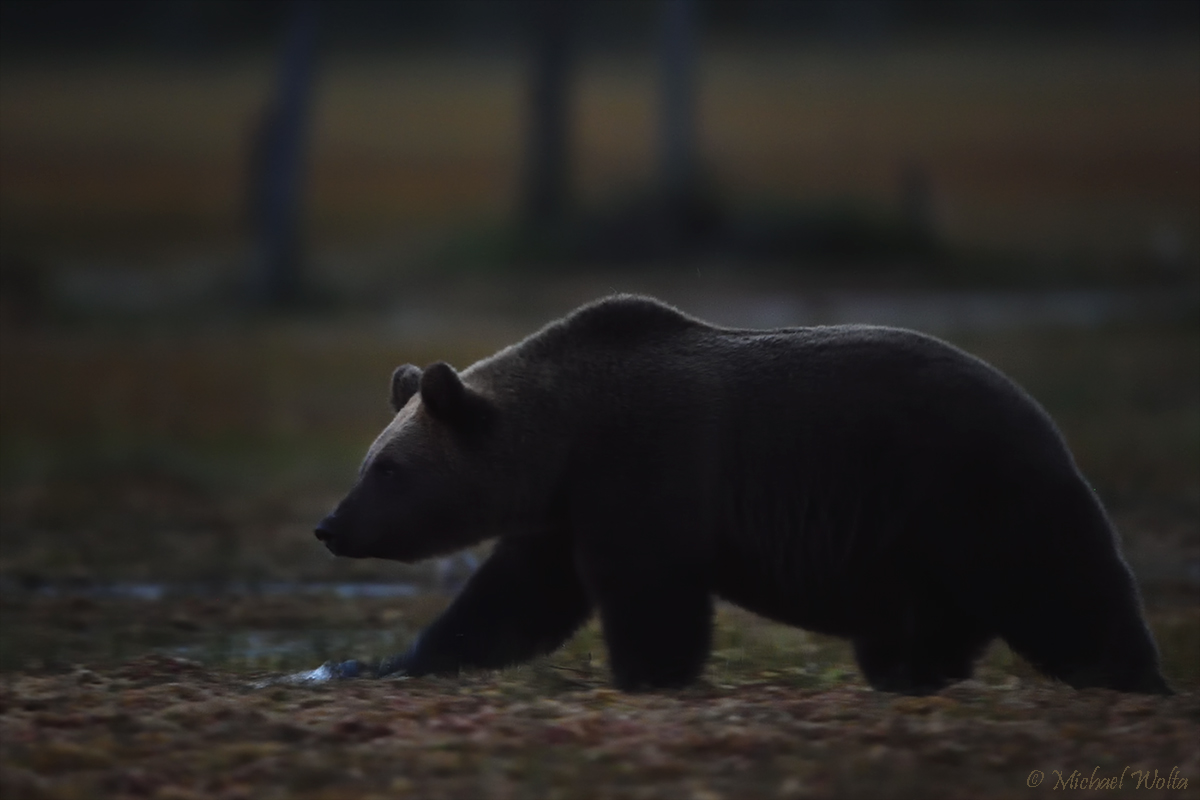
(1138, 779)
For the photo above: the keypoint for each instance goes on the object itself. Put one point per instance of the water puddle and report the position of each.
(282, 650)
(152, 592)
(274, 626)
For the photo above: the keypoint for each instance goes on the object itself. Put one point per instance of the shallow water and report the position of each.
(275, 626)
(288, 649)
(151, 592)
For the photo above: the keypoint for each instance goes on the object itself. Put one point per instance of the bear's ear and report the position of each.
(447, 399)
(406, 380)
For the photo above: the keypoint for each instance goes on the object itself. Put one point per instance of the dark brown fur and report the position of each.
(866, 482)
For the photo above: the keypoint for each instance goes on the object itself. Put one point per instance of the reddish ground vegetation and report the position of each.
(167, 728)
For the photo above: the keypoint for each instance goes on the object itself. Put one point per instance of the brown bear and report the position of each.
(866, 482)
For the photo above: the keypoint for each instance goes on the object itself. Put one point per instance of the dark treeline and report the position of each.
(198, 26)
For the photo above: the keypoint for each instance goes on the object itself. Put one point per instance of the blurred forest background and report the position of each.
(223, 224)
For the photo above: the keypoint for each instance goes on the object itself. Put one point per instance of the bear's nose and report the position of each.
(324, 531)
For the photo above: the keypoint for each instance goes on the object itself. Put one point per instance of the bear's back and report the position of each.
(873, 388)
(840, 369)
(828, 386)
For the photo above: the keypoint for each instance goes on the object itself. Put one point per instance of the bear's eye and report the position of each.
(386, 469)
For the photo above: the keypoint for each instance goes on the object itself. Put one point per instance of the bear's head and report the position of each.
(432, 482)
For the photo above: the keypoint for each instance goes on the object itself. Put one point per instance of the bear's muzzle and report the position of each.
(326, 532)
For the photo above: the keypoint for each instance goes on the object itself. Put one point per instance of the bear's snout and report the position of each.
(326, 532)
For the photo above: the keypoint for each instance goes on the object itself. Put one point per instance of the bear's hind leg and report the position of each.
(923, 653)
(1072, 607)
(1102, 644)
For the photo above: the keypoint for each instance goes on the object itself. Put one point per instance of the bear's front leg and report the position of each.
(524, 601)
(644, 546)
(658, 632)
(655, 606)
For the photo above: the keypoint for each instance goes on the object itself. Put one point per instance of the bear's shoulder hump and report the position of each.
(626, 315)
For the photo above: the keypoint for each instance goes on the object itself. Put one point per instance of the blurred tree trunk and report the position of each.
(546, 192)
(277, 165)
(677, 131)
